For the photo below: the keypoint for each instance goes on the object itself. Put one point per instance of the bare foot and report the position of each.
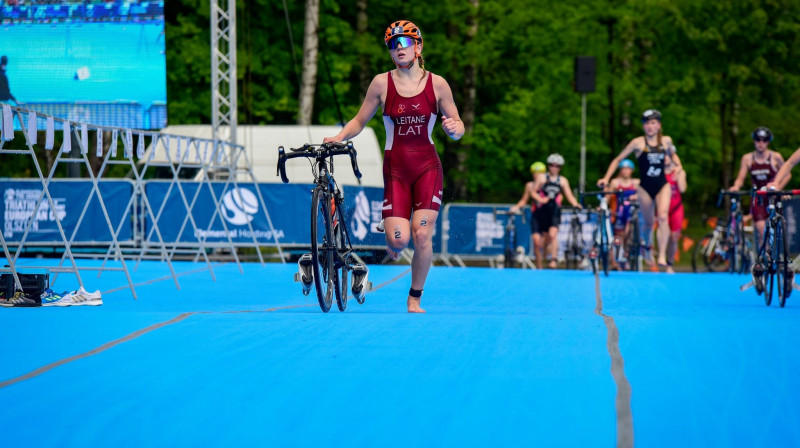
(670, 270)
(392, 254)
(413, 305)
(662, 261)
(553, 264)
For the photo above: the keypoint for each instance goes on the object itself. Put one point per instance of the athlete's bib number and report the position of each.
(653, 172)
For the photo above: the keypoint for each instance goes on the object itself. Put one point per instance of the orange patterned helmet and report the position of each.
(402, 28)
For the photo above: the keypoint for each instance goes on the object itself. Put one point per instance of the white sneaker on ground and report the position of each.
(83, 297)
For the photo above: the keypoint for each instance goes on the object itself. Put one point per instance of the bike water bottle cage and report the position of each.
(415, 293)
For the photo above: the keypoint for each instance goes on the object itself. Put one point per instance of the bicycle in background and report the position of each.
(510, 255)
(727, 246)
(628, 249)
(603, 235)
(772, 262)
(331, 256)
(574, 250)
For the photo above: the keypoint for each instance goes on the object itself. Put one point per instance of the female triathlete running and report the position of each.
(411, 98)
(653, 151)
(676, 177)
(548, 210)
(537, 168)
(763, 165)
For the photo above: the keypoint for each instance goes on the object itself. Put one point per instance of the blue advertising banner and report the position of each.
(288, 206)
(473, 229)
(70, 197)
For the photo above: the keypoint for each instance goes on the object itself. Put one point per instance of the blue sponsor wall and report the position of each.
(19, 198)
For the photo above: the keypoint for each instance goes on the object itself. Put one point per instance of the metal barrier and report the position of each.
(471, 232)
(211, 160)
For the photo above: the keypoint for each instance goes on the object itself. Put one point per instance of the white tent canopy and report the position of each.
(262, 141)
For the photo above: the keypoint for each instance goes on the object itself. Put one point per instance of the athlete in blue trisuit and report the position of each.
(653, 152)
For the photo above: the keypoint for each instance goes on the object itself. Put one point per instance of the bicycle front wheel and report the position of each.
(782, 272)
(604, 244)
(322, 248)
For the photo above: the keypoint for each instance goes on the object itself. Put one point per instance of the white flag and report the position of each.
(128, 144)
(153, 142)
(99, 151)
(33, 128)
(114, 138)
(84, 139)
(140, 146)
(8, 123)
(66, 145)
(49, 133)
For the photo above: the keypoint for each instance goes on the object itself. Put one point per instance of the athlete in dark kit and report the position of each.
(653, 152)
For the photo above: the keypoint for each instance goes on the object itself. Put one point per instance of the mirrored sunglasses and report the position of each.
(401, 41)
(760, 139)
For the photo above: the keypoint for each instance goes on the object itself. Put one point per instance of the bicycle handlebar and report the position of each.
(776, 192)
(723, 193)
(318, 151)
(598, 193)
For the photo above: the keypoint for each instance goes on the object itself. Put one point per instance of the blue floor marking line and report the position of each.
(143, 331)
(623, 398)
(128, 337)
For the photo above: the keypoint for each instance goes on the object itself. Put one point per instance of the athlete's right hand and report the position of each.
(602, 183)
(334, 139)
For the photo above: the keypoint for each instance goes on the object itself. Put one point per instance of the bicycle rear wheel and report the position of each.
(322, 248)
(339, 268)
(782, 272)
(604, 243)
(634, 247)
(707, 251)
(573, 246)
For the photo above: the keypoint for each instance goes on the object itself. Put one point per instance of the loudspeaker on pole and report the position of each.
(585, 74)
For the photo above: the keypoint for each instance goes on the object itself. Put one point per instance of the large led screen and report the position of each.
(99, 62)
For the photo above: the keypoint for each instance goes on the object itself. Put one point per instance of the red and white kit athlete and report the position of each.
(411, 98)
(412, 172)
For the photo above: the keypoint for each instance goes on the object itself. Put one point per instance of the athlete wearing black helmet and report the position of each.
(653, 152)
(762, 164)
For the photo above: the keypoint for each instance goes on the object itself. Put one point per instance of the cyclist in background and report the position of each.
(763, 165)
(545, 192)
(625, 183)
(411, 97)
(676, 177)
(654, 151)
(537, 168)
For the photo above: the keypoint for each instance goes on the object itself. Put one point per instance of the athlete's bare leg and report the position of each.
(422, 227)
(672, 250)
(552, 241)
(662, 216)
(760, 231)
(538, 250)
(398, 233)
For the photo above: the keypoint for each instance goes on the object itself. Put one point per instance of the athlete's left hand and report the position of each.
(450, 125)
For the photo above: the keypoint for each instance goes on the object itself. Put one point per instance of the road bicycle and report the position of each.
(603, 235)
(574, 250)
(726, 247)
(331, 257)
(772, 263)
(510, 237)
(628, 247)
